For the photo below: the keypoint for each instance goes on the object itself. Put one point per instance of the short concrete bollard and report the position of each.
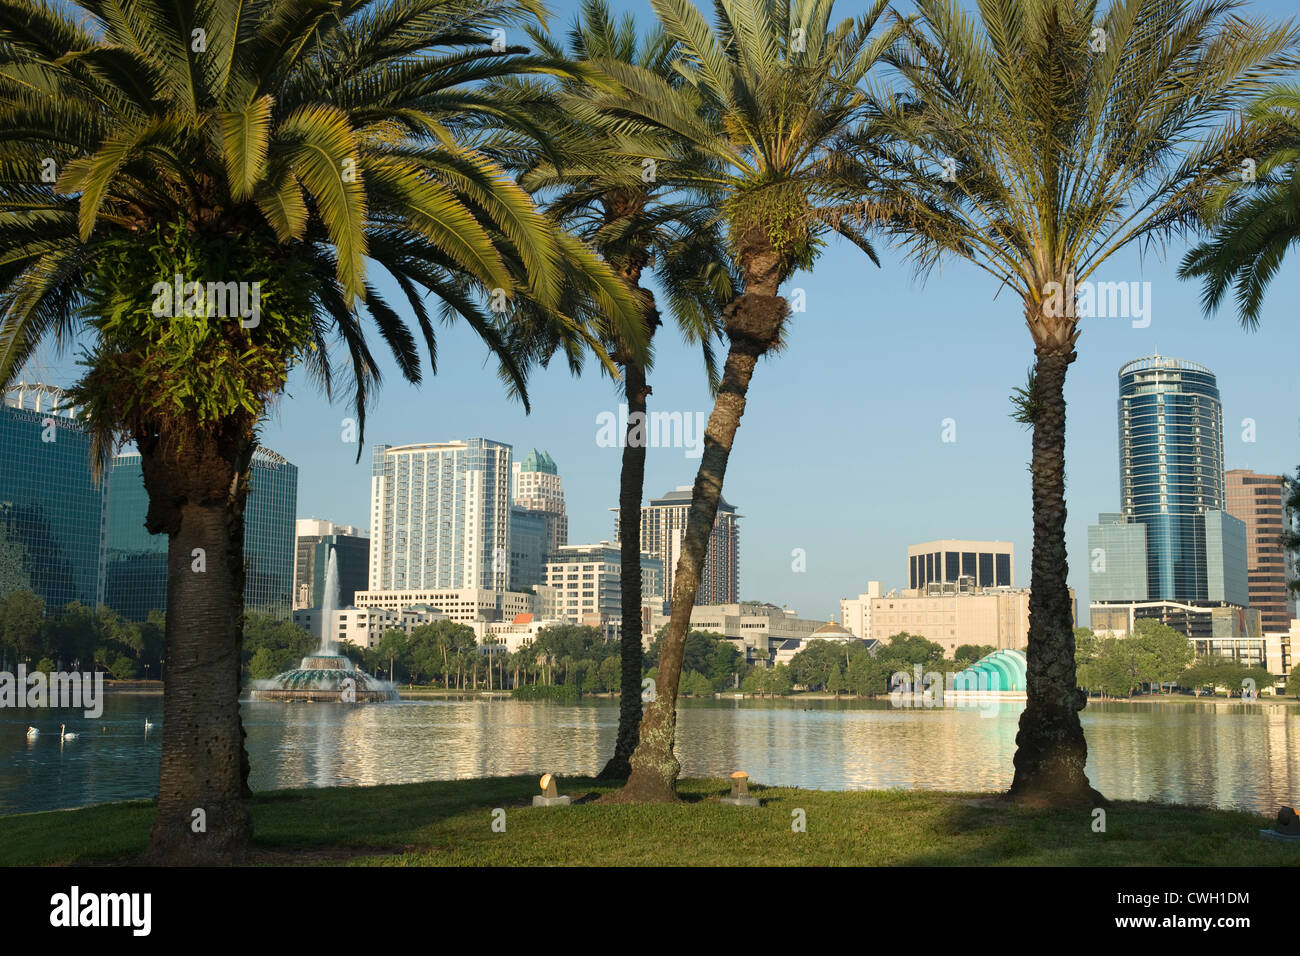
(740, 791)
(1287, 828)
(549, 797)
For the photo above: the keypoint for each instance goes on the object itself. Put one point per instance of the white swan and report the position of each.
(147, 726)
(32, 732)
(63, 733)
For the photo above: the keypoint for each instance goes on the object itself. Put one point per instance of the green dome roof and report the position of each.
(539, 461)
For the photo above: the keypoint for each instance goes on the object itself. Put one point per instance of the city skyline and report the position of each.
(847, 541)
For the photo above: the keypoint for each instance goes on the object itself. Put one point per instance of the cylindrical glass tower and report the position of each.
(1171, 467)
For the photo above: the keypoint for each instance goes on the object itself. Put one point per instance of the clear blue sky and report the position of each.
(840, 450)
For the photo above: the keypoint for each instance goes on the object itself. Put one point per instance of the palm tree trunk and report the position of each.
(1050, 748)
(631, 488)
(753, 325)
(196, 496)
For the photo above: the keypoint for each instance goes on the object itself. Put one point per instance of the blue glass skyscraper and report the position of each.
(52, 514)
(1172, 520)
(136, 575)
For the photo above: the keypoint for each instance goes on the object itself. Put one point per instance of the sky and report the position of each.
(841, 450)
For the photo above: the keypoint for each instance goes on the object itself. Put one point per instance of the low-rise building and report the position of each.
(955, 614)
(855, 613)
(584, 586)
(364, 626)
(758, 628)
(462, 605)
(514, 634)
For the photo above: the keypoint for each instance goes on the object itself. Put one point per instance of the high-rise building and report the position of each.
(1117, 546)
(530, 546)
(1260, 502)
(587, 587)
(663, 527)
(136, 564)
(987, 564)
(440, 516)
(1172, 546)
(536, 486)
(1171, 468)
(315, 540)
(53, 517)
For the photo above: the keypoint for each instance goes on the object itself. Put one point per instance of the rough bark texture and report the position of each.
(196, 497)
(753, 325)
(1050, 748)
(631, 486)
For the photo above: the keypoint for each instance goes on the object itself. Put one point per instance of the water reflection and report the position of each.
(1224, 753)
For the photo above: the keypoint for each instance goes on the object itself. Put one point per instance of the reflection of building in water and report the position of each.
(1283, 750)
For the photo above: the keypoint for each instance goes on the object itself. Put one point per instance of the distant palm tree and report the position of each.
(769, 95)
(272, 147)
(1256, 219)
(1037, 139)
(638, 224)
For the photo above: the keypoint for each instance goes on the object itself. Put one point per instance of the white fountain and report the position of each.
(326, 675)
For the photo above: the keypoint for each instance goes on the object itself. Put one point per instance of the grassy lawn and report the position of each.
(450, 823)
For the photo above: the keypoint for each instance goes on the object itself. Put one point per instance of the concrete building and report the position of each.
(53, 517)
(136, 572)
(440, 516)
(364, 626)
(585, 585)
(952, 615)
(315, 539)
(855, 613)
(513, 634)
(663, 525)
(1259, 501)
(758, 629)
(462, 605)
(536, 487)
(987, 564)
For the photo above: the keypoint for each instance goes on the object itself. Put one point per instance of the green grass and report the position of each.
(450, 823)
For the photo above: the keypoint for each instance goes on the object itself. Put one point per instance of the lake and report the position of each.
(1220, 753)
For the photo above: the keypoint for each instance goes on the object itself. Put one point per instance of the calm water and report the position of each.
(1219, 753)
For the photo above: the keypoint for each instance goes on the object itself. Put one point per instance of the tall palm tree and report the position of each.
(638, 224)
(1035, 141)
(1256, 218)
(279, 146)
(769, 95)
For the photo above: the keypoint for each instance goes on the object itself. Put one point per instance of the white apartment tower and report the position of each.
(440, 516)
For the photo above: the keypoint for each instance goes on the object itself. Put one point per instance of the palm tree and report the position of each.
(273, 148)
(1035, 141)
(637, 224)
(768, 97)
(1256, 218)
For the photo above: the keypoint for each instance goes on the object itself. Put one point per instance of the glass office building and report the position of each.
(1171, 468)
(52, 514)
(1173, 540)
(136, 572)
